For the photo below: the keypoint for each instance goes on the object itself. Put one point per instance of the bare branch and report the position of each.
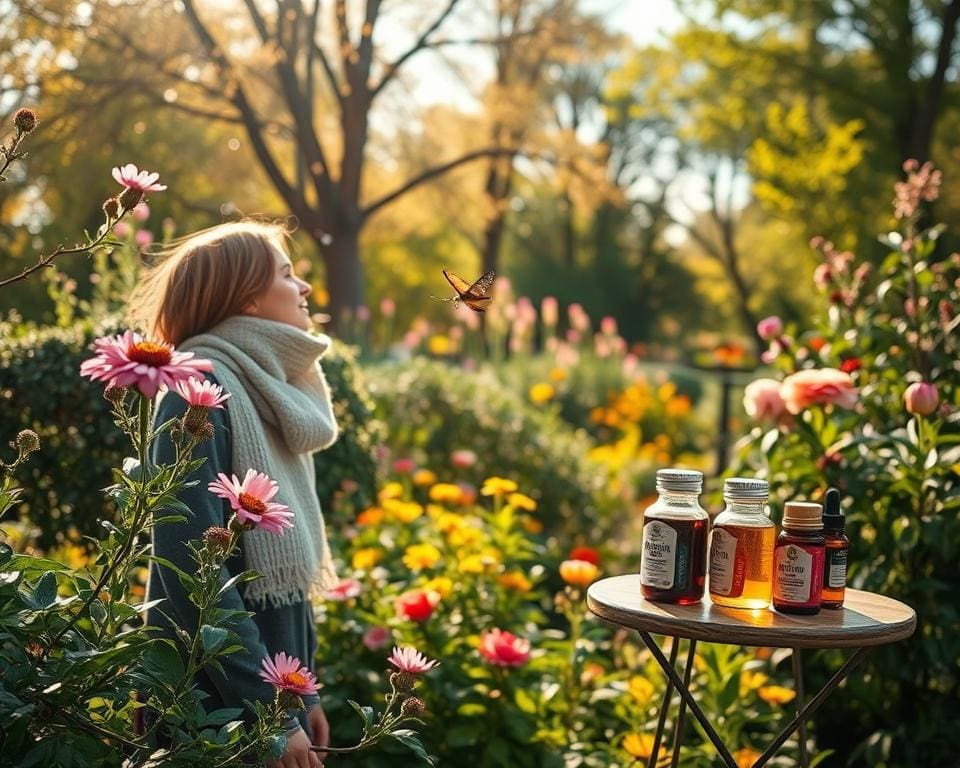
(419, 45)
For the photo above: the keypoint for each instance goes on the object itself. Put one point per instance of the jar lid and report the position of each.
(680, 480)
(746, 488)
(804, 515)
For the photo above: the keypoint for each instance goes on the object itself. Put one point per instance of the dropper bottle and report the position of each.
(837, 545)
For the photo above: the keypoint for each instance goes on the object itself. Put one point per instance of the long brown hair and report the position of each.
(204, 278)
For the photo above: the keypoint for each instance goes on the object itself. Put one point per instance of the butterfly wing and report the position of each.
(478, 304)
(461, 286)
(480, 288)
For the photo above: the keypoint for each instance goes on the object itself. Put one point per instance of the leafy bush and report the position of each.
(62, 493)
(892, 326)
(432, 409)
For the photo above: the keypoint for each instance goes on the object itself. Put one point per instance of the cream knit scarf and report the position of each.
(279, 415)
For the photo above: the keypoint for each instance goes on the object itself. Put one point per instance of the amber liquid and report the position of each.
(833, 596)
(690, 562)
(755, 550)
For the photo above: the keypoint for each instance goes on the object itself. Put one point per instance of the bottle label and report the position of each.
(727, 565)
(659, 560)
(793, 580)
(836, 577)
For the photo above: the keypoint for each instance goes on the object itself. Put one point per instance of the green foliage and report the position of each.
(900, 471)
(432, 409)
(62, 487)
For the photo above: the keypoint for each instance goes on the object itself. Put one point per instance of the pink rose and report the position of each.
(921, 398)
(376, 638)
(762, 400)
(770, 327)
(818, 386)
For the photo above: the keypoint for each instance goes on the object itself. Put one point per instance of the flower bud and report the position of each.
(402, 681)
(114, 394)
(111, 207)
(25, 120)
(770, 327)
(195, 421)
(412, 707)
(27, 442)
(129, 198)
(289, 700)
(921, 398)
(216, 538)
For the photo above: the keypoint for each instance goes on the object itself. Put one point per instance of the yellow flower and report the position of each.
(403, 511)
(392, 490)
(641, 689)
(542, 393)
(424, 477)
(750, 681)
(776, 694)
(746, 757)
(666, 390)
(516, 581)
(578, 573)
(446, 493)
(447, 522)
(439, 345)
(558, 375)
(531, 524)
(638, 744)
(464, 536)
(364, 559)
(482, 563)
(442, 585)
(370, 516)
(498, 486)
(420, 556)
(522, 501)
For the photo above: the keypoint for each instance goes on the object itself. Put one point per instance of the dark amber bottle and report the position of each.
(837, 546)
(798, 559)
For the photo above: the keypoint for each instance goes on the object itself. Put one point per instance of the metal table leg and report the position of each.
(798, 685)
(678, 731)
(664, 707)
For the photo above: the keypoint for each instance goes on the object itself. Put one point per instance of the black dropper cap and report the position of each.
(832, 516)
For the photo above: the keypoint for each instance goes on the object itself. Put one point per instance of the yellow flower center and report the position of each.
(150, 353)
(252, 504)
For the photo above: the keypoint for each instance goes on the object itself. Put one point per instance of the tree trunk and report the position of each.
(341, 258)
(497, 190)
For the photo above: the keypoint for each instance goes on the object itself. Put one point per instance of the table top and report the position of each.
(865, 619)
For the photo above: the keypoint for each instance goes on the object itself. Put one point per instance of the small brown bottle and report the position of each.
(837, 545)
(798, 559)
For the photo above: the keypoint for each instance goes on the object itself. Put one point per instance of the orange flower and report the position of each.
(558, 374)
(404, 511)
(464, 536)
(746, 757)
(638, 744)
(641, 689)
(448, 522)
(424, 477)
(776, 694)
(392, 490)
(370, 516)
(531, 524)
(578, 573)
(750, 681)
(516, 581)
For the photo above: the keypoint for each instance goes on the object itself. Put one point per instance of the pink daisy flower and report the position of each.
(131, 177)
(376, 637)
(343, 590)
(288, 674)
(504, 648)
(201, 393)
(250, 499)
(410, 660)
(130, 360)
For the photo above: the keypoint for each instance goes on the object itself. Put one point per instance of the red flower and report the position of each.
(829, 459)
(851, 364)
(504, 648)
(417, 604)
(585, 553)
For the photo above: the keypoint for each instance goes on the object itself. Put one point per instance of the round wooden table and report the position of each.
(866, 620)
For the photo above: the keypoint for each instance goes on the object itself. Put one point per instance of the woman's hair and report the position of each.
(204, 278)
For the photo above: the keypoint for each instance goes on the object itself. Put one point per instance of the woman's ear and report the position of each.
(250, 309)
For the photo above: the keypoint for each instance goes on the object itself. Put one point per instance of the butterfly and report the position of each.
(474, 296)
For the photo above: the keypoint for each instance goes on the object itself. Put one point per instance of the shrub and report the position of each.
(890, 326)
(62, 488)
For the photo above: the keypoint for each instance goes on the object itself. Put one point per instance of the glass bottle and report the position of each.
(741, 546)
(674, 553)
(798, 559)
(837, 545)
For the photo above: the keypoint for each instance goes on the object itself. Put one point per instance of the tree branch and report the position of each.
(438, 170)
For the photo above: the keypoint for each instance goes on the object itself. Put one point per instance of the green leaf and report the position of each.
(411, 740)
(365, 712)
(45, 592)
(525, 702)
(277, 744)
(212, 638)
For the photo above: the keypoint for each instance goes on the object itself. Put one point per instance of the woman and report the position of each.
(230, 295)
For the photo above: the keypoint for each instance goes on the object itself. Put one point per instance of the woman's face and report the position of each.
(285, 299)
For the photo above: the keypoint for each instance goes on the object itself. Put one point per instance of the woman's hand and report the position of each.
(319, 727)
(298, 753)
